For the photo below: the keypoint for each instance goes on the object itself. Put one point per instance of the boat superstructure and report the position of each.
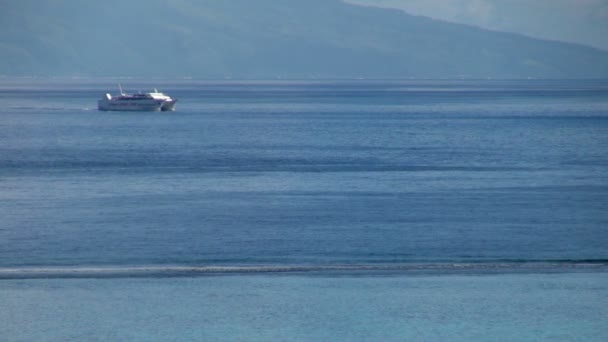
(145, 102)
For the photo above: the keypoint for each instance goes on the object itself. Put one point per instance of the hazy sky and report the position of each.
(578, 21)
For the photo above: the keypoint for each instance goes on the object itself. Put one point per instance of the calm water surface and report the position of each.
(394, 210)
(315, 173)
(508, 307)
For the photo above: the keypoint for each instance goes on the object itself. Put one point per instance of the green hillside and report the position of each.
(267, 39)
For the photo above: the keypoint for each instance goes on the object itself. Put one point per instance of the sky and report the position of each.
(576, 21)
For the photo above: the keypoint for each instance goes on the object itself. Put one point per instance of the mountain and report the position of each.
(267, 39)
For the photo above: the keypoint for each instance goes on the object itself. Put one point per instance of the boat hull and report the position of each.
(151, 102)
(129, 107)
(168, 106)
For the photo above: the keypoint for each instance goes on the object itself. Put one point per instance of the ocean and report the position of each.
(387, 206)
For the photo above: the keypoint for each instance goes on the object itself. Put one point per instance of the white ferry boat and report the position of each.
(146, 102)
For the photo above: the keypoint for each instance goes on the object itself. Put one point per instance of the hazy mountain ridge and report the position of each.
(267, 39)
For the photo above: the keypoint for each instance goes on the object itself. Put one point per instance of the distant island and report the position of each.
(268, 39)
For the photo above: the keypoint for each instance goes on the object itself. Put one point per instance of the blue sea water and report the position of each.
(304, 173)
(336, 178)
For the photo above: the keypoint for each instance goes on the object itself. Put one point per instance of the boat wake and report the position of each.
(50, 109)
(193, 271)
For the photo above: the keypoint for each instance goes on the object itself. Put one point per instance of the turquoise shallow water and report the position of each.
(398, 307)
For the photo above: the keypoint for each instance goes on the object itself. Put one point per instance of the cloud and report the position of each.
(471, 10)
(578, 21)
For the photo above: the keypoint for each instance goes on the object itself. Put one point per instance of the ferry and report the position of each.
(147, 102)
